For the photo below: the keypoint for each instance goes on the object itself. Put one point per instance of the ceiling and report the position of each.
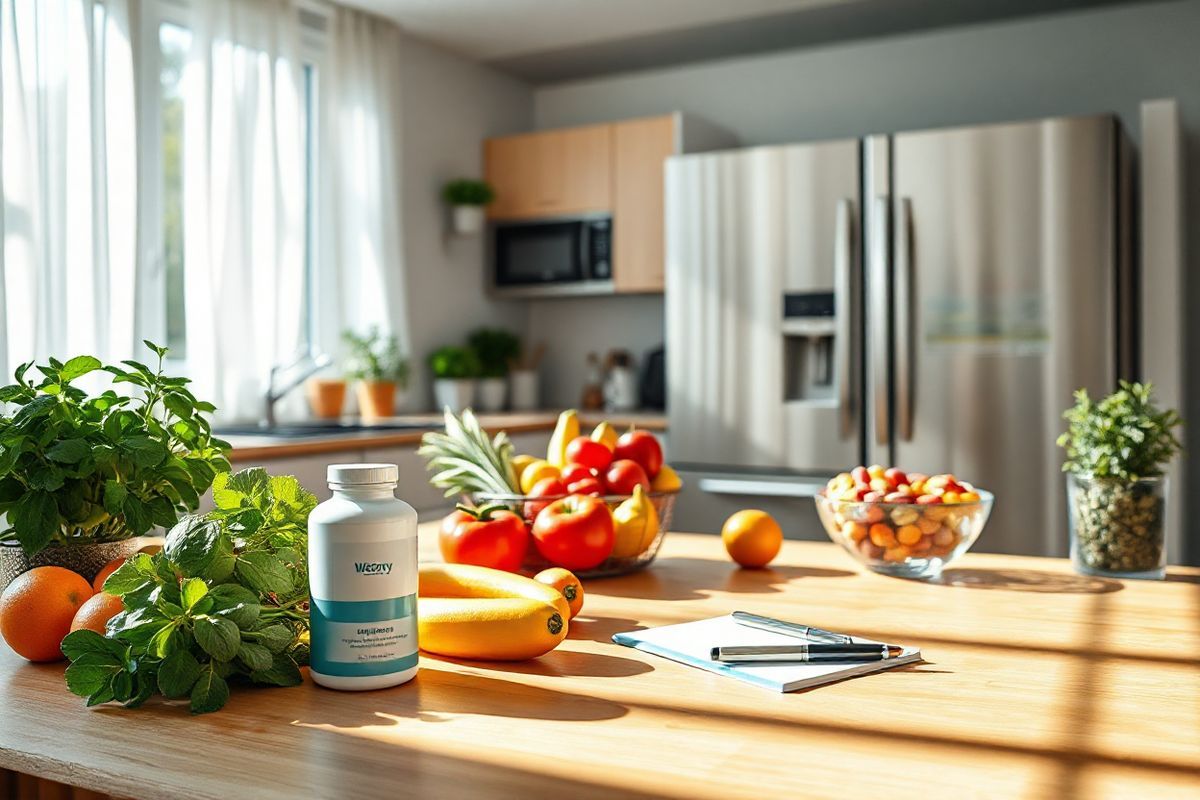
(544, 41)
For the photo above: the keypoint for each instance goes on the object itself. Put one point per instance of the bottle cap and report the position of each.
(362, 474)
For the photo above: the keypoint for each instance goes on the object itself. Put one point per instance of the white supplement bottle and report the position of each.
(362, 569)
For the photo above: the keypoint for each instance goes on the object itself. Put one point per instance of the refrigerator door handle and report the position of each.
(879, 313)
(843, 256)
(902, 281)
(761, 488)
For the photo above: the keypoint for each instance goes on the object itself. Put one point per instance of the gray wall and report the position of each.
(1086, 62)
(449, 106)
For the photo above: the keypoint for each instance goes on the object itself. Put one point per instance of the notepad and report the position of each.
(691, 643)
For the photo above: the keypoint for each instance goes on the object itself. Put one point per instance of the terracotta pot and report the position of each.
(86, 559)
(376, 399)
(326, 396)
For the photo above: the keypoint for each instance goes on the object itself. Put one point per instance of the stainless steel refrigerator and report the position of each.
(929, 299)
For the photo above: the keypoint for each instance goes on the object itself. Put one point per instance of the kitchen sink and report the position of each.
(299, 430)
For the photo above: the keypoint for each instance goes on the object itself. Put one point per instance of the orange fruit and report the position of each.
(752, 538)
(567, 584)
(105, 571)
(96, 612)
(37, 608)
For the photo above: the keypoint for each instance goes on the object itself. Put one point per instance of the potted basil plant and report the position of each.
(454, 371)
(1117, 450)
(466, 198)
(378, 366)
(496, 351)
(83, 476)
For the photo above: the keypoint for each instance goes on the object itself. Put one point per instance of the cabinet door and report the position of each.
(586, 169)
(640, 147)
(510, 165)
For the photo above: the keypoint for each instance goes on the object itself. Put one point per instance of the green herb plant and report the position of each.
(495, 351)
(80, 469)
(453, 362)
(226, 600)
(375, 357)
(464, 460)
(1123, 436)
(468, 192)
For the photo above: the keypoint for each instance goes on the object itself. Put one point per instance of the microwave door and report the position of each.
(539, 254)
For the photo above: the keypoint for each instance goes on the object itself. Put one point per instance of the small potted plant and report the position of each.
(466, 198)
(496, 351)
(1117, 449)
(454, 372)
(82, 477)
(326, 396)
(376, 363)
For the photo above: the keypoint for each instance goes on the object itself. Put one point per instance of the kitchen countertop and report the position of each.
(251, 448)
(1038, 683)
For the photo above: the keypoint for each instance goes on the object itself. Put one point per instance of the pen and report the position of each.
(816, 652)
(788, 628)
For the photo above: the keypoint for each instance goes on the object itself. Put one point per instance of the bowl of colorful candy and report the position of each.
(907, 525)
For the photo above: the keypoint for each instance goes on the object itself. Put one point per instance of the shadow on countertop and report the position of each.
(1027, 580)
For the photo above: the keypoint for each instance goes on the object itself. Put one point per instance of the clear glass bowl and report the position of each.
(664, 504)
(905, 540)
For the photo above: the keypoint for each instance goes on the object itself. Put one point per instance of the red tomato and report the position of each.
(487, 537)
(575, 532)
(546, 487)
(623, 475)
(588, 485)
(589, 452)
(575, 472)
(641, 447)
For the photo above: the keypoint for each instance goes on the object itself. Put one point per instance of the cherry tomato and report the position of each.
(567, 584)
(546, 487)
(575, 472)
(640, 447)
(623, 475)
(575, 532)
(492, 536)
(589, 452)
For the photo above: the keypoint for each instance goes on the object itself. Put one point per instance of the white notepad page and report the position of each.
(691, 643)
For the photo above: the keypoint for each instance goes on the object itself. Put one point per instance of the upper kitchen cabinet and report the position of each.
(550, 173)
(640, 147)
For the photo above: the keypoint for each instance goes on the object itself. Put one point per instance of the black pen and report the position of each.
(811, 653)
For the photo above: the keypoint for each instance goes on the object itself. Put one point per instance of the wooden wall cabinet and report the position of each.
(550, 173)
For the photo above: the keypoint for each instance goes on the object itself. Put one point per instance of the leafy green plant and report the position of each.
(468, 192)
(454, 362)
(225, 600)
(495, 349)
(465, 460)
(79, 469)
(1123, 436)
(375, 357)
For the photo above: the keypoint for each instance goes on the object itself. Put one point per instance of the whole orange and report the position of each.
(37, 608)
(96, 612)
(105, 571)
(752, 537)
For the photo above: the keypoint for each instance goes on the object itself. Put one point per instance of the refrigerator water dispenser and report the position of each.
(809, 331)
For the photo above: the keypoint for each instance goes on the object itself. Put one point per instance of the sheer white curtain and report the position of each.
(244, 197)
(360, 200)
(68, 169)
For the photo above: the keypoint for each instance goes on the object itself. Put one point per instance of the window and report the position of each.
(173, 44)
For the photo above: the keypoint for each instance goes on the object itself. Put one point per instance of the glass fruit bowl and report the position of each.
(905, 540)
(628, 556)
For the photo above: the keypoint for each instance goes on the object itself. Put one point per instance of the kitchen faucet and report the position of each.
(273, 395)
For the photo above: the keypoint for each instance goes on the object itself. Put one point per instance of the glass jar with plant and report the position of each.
(466, 198)
(81, 476)
(1117, 449)
(375, 361)
(497, 351)
(454, 372)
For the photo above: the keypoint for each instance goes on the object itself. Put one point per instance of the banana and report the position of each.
(469, 581)
(565, 430)
(492, 629)
(606, 435)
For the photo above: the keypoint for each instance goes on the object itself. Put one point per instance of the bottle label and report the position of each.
(364, 638)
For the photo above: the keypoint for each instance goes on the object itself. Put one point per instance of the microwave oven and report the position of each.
(552, 257)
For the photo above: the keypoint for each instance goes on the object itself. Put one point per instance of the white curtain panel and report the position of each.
(68, 169)
(244, 198)
(360, 179)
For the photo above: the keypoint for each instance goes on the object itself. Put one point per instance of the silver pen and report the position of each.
(789, 628)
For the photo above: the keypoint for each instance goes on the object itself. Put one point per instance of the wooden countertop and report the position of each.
(1038, 683)
(255, 448)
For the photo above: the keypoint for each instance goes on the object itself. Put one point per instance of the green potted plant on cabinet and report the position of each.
(454, 371)
(1117, 450)
(83, 476)
(467, 198)
(496, 350)
(376, 363)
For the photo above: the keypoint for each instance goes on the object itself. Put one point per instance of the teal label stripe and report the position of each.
(363, 610)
